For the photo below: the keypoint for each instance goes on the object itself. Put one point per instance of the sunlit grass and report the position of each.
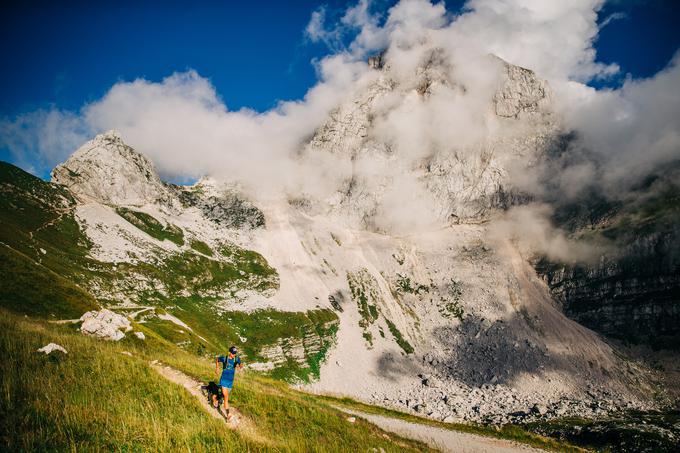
(96, 398)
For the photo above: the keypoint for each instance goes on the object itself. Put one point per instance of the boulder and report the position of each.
(539, 409)
(105, 324)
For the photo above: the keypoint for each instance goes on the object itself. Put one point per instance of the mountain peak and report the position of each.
(108, 170)
(111, 135)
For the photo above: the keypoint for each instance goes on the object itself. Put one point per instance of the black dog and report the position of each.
(213, 392)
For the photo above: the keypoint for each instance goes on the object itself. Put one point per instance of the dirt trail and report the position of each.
(237, 421)
(440, 438)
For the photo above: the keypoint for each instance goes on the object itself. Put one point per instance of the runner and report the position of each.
(229, 365)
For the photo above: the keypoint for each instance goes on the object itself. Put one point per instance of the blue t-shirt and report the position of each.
(228, 369)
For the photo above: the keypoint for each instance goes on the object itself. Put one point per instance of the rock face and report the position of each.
(51, 347)
(222, 205)
(632, 296)
(520, 93)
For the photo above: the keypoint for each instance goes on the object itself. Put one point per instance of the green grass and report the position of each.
(32, 289)
(405, 285)
(201, 247)
(399, 338)
(363, 289)
(42, 248)
(94, 398)
(450, 306)
(151, 226)
(248, 261)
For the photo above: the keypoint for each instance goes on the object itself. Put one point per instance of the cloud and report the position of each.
(316, 31)
(555, 39)
(437, 114)
(628, 132)
(530, 229)
(39, 139)
(612, 17)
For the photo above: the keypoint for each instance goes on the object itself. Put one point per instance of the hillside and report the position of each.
(97, 398)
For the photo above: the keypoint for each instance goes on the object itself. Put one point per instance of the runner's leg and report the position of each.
(225, 392)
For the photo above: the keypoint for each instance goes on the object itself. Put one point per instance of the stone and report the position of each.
(539, 409)
(51, 347)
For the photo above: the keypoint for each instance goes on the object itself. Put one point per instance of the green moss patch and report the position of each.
(398, 337)
(201, 247)
(152, 227)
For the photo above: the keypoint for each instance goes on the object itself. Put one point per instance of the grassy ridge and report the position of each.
(95, 398)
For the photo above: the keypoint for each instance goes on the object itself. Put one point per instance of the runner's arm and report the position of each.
(217, 365)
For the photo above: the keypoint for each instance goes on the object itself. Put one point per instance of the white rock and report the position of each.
(47, 349)
(105, 324)
(351, 419)
(140, 335)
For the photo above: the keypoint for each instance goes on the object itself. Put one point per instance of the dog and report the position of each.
(214, 394)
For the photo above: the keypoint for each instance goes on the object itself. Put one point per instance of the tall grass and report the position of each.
(97, 399)
(94, 398)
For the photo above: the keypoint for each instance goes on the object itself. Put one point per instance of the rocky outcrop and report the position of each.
(520, 92)
(107, 170)
(221, 204)
(51, 347)
(301, 350)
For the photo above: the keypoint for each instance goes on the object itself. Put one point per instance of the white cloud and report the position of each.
(184, 126)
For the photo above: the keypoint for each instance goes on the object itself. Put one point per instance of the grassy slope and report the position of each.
(95, 398)
(41, 248)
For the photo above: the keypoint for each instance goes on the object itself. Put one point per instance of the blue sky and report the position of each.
(66, 54)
